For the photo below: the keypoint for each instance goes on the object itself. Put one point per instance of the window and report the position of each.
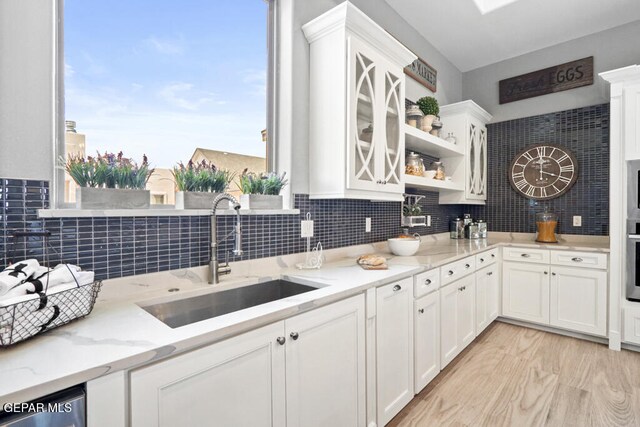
(172, 80)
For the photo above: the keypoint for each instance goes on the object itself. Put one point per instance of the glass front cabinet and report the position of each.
(356, 136)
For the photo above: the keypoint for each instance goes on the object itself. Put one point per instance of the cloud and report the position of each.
(181, 95)
(256, 80)
(166, 46)
(68, 71)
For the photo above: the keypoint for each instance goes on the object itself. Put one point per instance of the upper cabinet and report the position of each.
(467, 121)
(356, 117)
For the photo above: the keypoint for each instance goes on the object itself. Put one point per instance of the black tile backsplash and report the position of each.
(124, 246)
(585, 131)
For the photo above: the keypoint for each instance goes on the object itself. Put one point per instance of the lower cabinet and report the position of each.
(579, 300)
(426, 340)
(525, 292)
(487, 296)
(457, 318)
(394, 348)
(241, 381)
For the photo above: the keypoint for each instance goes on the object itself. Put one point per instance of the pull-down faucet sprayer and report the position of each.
(215, 270)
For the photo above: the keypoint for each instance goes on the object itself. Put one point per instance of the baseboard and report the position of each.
(599, 340)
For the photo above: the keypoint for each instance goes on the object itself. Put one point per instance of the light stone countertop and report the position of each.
(120, 335)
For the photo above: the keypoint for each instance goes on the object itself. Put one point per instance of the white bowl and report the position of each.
(404, 247)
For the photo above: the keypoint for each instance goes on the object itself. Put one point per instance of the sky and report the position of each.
(162, 77)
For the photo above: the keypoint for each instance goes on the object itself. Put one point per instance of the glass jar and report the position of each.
(367, 134)
(546, 223)
(415, 165)
(456, 228)
(414, 115)
(439, 168)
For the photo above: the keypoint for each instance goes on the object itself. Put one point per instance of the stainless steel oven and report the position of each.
(633, 187)
(65, 408)
(633, 260)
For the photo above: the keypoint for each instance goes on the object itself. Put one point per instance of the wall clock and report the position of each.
(543, 171)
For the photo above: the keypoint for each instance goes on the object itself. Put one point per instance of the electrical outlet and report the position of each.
(306, 228)
(428, 220)
(577, 221)
(367, 225)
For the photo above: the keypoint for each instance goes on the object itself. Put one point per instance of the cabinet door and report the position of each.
(476, 188)
(426, 340)
(631, 127)
(394, 308)
(364, 118)
(449, 344)
(525, 292)
(392, 141)
(466, 310)
(579, 300)
(214, 386)
(487, 297)
(325, 366)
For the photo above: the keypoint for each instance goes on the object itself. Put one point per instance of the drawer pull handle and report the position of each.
(396, 288)
(490, 273)
(525, 255)
(481, 259)
(467, 266)
(577, 259)
(450, 273)
(427, 282)
(493, 255)
(421, 311)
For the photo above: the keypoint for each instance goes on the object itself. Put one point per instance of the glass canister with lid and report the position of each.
(415, 165)
(546, 223)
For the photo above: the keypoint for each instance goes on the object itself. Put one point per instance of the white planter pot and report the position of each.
(198, 200)
(260, 201)
(112, 198)
(426, 122)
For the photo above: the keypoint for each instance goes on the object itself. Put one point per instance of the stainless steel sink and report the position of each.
(194, 309)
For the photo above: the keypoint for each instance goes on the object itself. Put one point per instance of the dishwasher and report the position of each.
(66, 408)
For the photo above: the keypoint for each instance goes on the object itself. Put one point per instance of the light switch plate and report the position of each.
(428, 220)
(577, 221)
(367, 225)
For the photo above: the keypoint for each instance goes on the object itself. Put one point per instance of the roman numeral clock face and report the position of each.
(543, 172)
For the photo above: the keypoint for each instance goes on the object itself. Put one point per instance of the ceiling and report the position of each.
(471, 39)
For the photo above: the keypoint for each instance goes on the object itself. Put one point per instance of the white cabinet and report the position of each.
(241, 381)
(631, 321)
(394, 348)
(487, 296)
(525, 292)
(457, 318)
(214, 385)
(325, 366)
(467, 121)
(631, 96)
(426, 340)
(356, 135)
(579, 300)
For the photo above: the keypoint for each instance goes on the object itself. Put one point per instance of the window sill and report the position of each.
(90, 213)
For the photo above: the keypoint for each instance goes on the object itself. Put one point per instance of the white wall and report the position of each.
(449, 88)
(611, 49)
(26, 89)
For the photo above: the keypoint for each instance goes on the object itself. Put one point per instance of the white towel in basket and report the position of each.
(16, 274)
(60, 275)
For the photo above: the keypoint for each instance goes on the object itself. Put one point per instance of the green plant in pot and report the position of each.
(429, 106)
(109, 181)
(198, 184)
(261, 191)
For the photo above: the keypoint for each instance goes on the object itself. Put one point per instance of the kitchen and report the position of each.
(477, 267)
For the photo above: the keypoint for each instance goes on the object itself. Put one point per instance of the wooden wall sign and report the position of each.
(549, 80)
(423, 73)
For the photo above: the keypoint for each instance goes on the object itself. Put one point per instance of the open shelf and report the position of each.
(425, 143)
(431, 184)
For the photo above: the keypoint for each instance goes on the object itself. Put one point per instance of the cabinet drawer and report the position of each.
(631, 325)
(426, 282)
(537, 256)
(579, 259)
(456, 270)
(487, 258)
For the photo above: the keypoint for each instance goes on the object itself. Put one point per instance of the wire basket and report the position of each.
(47, 309)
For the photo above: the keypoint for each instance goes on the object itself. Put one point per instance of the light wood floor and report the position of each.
(515, 376)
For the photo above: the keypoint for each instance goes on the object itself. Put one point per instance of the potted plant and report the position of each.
(411, 215)
(261, 191)
(110, 181)
(199, 184)
(430, 108)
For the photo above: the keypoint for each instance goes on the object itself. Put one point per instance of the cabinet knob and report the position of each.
(577, 259)
(427, 282)
(294, 335)
(490, 273)
(481, 259)
(384, 182)
(396, 288)
(493, 255)
(450, 273)
(281, 340)
(421, 311)
(553, 274)
(525, 255)
(546, 272)
(379, 181)
(467, 266)
(460, 289)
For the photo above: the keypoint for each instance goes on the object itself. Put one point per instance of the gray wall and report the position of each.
(26, 89)
(611, 49)
(449, 77)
